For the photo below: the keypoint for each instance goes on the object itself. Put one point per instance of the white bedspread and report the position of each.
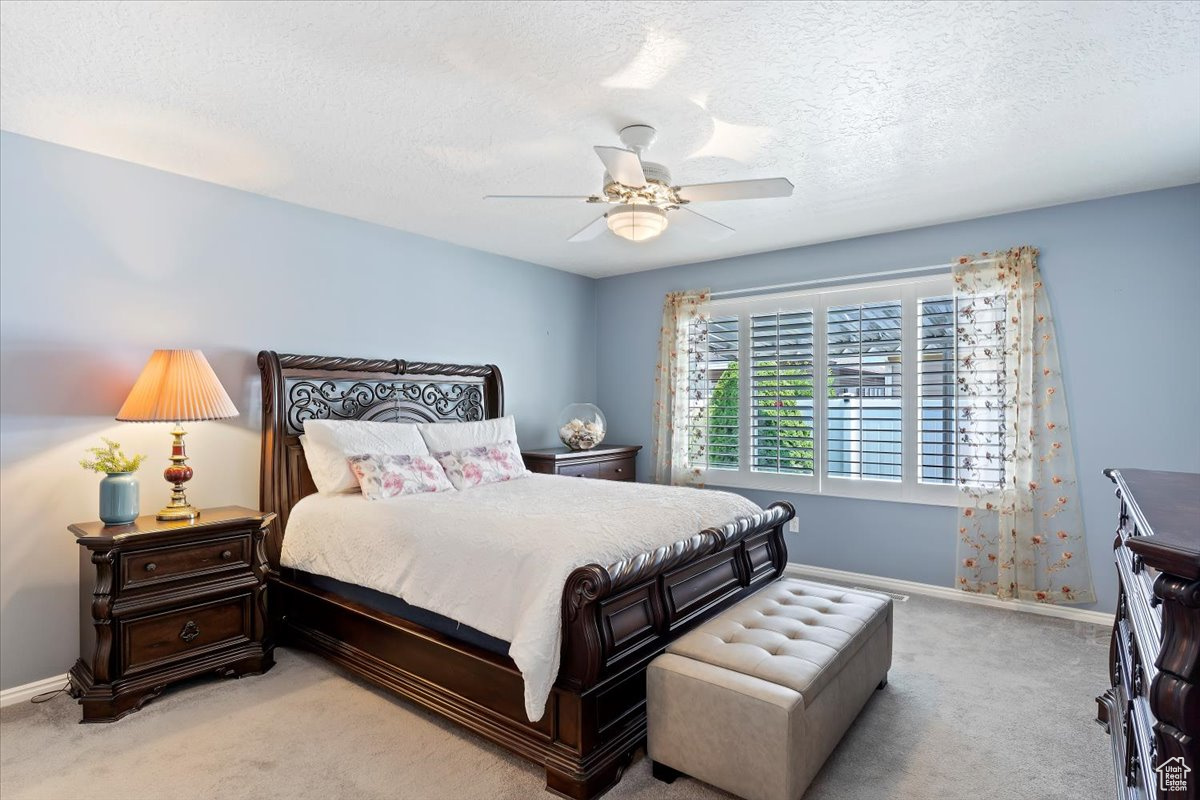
(498, 556)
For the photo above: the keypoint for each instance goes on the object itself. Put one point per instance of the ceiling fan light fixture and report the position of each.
(637, 223)
(640, 193)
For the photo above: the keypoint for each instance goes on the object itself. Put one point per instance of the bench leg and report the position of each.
(882, 684)
(664, 773)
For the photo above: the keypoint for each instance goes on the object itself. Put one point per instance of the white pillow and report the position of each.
(448, 436)
(328, 443)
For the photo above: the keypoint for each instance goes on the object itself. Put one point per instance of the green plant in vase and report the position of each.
(118, 488)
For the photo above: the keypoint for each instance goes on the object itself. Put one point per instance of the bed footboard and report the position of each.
(617, 618)
(611, 614)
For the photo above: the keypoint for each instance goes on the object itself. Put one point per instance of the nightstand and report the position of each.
(613, 462)
(160, 602)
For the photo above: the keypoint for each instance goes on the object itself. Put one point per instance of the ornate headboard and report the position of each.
(299, 388)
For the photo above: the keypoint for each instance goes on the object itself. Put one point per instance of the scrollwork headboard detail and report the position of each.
(299, 388)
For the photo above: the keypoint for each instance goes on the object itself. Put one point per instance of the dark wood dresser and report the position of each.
(163, 601)
(613, 462)
(1152, 710)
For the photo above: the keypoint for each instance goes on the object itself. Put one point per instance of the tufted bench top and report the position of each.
(792, 633)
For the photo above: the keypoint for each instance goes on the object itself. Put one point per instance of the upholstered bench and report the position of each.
(754, 700)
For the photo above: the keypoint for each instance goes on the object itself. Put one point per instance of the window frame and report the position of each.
(909, 489)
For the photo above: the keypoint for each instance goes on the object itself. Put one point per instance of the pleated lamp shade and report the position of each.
(177, 386)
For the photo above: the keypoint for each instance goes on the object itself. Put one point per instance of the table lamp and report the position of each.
(177, 386)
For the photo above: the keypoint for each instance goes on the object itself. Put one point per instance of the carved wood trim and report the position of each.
(384, 401)
(710, 540)
(102, 616)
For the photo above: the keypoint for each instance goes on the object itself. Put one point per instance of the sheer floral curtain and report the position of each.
(1020, 521)
(683, 333)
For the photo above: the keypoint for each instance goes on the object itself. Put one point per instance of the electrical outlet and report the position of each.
(793, 525)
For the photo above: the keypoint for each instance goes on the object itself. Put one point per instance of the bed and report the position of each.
(614, 618)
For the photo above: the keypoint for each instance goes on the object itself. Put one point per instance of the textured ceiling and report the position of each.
(884, 115)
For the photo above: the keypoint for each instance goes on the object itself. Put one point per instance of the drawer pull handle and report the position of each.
(226, 555)
(620, 469)
(151, 566)
(190, 631)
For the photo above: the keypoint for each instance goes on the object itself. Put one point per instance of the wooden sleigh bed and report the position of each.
(616, 617)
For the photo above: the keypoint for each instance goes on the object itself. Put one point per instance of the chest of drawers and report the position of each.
(164, 601)
(1152, 709)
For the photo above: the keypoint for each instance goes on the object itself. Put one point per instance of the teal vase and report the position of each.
(118, 498)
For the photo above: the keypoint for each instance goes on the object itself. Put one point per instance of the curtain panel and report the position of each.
(1020, 521)
(682, 339)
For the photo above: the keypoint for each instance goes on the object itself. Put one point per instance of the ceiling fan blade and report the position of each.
(736, 190)
(708, 228)
(591, 230)
(584, 198)
(623, 165)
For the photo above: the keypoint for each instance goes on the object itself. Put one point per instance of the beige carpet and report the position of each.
(982, 703)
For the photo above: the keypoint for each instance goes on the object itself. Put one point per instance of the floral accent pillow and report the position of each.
(383, 476)
(476, 466)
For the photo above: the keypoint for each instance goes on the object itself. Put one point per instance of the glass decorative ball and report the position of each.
(581, 426)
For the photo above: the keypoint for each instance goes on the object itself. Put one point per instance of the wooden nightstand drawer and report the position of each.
(619, 470)
(179, 562)
(149, 641)
(580, 470)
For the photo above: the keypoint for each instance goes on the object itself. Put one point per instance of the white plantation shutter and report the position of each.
(713, 393)
(863, 426)
(961, 438)
(937, 436)
(980, 322)
(782, 421)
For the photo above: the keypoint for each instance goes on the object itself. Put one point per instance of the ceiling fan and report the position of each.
(640, 193)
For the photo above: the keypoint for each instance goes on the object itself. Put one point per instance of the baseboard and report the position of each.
(796, 570)
(25, 693)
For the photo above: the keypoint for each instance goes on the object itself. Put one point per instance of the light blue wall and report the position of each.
(1123, 275)
(102, 261)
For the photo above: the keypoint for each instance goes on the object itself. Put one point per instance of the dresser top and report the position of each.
(1166, 506)
(225, 516)
(566, 453)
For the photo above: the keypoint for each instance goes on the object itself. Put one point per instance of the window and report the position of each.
(849, 390)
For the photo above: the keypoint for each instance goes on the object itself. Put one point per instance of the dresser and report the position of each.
(160, 602)
(613, 462)
(1152, 709)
